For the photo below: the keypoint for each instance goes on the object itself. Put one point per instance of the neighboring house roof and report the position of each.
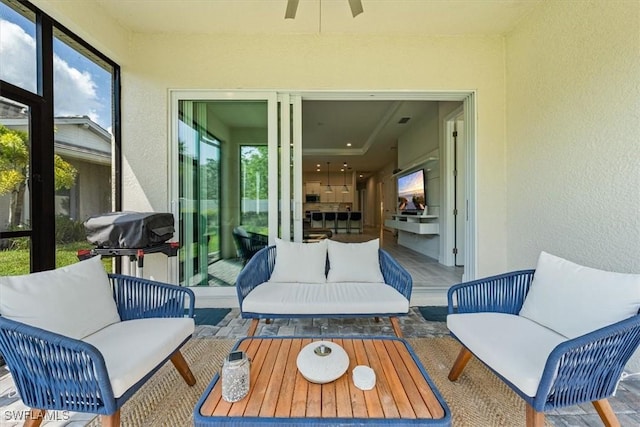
(76, 137)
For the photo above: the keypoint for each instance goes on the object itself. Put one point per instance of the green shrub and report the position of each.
(69, 231)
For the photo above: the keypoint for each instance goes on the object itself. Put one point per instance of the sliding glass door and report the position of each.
(225, 180)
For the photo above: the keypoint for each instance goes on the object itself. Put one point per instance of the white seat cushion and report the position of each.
(515, 347)
(131, 349)
(300, 262)
(325, 298)
(74, 301)
(573, 300)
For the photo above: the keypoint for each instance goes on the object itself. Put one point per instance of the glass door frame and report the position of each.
(271, 98)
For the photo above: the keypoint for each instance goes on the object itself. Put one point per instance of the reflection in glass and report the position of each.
(199, 181)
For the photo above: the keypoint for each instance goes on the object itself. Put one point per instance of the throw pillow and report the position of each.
(74, 301)
(354, 262)
(300, 262)
(573, 300)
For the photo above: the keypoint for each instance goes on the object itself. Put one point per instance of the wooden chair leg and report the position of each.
(183, 368)
(608, 417)
(461, 361)
(112, 420)
(34, 418)
(253, 327)
(395, 324)
(534, 418)
(267, 321)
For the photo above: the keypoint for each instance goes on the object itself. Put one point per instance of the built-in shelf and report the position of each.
(418, 224)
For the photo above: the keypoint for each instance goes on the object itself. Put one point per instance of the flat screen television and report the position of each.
(412, 194)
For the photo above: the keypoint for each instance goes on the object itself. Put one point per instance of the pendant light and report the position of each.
(345, 189)
(328, 189)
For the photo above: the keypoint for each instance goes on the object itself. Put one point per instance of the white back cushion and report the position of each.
(74, 301)
(300, 262)
(354, 262)
(573, 300)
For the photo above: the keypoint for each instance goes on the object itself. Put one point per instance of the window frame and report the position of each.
(42, 191)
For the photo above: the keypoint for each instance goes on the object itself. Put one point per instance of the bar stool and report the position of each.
(355, 217)
(330, 221)
(342, 221)
(317, 220)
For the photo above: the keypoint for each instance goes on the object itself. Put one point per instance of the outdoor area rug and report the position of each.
(209, 316)
(478, 398)
(433, 313)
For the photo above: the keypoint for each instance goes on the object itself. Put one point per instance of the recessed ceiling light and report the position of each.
(318, 170)
(318, 165)
(348, 144)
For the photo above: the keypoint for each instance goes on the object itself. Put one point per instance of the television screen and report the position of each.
(411, 192)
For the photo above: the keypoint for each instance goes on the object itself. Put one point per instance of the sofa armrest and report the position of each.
(503, 293)
(394, 274)
(52, 371)
(592, 363)
(257, 271)
(138, 298)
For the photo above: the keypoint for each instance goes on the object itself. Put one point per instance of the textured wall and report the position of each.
(573, 135)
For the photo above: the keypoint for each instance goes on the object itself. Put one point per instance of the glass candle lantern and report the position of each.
(235, 376)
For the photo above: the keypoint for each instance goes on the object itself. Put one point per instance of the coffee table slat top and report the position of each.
(404, 394)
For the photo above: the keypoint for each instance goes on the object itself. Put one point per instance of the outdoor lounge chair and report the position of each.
(559, 335)
(248, 243)
(77, 339)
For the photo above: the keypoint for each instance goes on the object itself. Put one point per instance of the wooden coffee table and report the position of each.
(404, 394)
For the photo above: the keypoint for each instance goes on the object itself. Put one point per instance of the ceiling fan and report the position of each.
(292, 8)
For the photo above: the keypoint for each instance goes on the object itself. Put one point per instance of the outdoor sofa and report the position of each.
(323, 279)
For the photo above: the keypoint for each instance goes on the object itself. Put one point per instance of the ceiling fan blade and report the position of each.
(356, 7)
(292, 8)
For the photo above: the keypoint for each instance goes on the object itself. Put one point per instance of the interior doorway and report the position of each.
(283, 121)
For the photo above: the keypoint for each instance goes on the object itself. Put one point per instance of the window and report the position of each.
(254, 188)
(62, 171)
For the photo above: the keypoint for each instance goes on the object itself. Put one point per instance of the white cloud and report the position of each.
(17, 56)
(74, 90)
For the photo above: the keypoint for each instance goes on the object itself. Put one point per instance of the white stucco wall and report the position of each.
(152, 64)
(315, 62)
(573, 135)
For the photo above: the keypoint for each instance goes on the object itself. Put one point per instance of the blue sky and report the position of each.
(81, 87)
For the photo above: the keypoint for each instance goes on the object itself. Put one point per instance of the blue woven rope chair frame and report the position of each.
(581, 370)
(55, 372)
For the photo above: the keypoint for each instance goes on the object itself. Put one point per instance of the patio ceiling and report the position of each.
(370, 126)
(427, 17)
